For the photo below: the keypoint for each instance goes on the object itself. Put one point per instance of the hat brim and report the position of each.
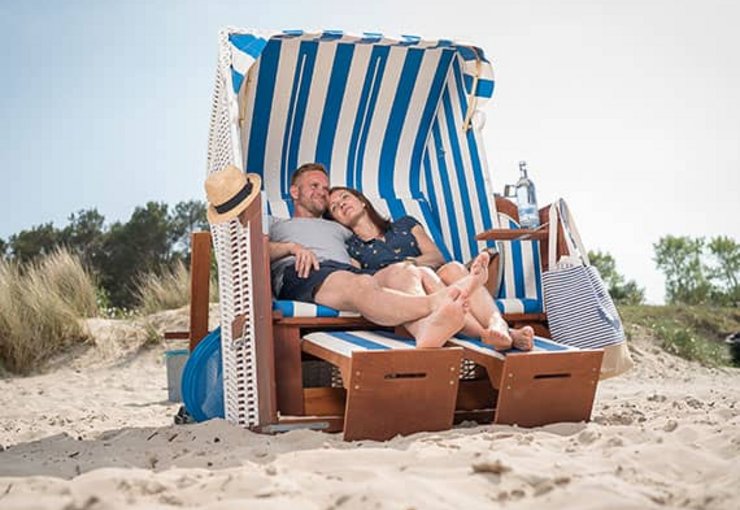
(216, 217)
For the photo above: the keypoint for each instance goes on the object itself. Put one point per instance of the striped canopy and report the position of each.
(391, 117)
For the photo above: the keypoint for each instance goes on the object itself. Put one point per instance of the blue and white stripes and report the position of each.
(361, 105)
(345, 343)
(521, 286)
(386, 116)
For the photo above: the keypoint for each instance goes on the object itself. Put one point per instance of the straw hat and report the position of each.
(229, 192)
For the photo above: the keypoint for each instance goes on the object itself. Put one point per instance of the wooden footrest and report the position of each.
(552, 383)
(392, 387)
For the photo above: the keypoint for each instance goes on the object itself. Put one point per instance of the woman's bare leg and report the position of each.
(494, 330)
(523, 338)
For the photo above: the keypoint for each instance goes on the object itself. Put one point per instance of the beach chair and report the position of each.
(398, 119)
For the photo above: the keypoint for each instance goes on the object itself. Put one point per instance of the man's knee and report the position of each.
(341, 289)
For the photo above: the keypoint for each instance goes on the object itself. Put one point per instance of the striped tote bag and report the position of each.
(580, 311)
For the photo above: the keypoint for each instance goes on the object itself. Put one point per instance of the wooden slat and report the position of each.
(322, 322)
(287, 423)
(262, 308)
(288, 372)
(200, 267)
(177, 335)
(324, 401)
(508, 234)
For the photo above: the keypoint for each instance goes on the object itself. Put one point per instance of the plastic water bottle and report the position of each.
(526, 200)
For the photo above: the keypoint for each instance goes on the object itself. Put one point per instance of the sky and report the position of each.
(630, 110)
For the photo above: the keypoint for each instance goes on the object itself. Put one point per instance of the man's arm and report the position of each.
(305, 259)
(281, 250)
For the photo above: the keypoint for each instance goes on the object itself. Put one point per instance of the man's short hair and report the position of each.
(305, 168)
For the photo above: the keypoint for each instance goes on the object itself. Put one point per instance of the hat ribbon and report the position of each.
(235, 200)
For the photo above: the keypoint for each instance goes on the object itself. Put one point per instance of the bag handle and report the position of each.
(572, 236)
(552, 237)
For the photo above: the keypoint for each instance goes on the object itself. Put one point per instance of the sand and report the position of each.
(96, 431)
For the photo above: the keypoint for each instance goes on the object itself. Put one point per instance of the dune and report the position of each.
(96, 431)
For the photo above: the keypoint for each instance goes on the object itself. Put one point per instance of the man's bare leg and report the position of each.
(436, 328)
(439, 326)
(432, 283)
(348, 291)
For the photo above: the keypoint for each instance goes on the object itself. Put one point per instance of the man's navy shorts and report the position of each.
(304, 289)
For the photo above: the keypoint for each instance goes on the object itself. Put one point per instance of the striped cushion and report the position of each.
(345, 343)
(521, 288)
(513, 305)
(540, 345)
(301, 309)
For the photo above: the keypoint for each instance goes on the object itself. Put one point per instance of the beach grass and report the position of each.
(695, 333)
(42, 305)
(167, 290)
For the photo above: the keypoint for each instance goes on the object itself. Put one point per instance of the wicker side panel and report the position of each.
(232, 248)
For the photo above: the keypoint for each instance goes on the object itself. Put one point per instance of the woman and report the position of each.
(378, 242)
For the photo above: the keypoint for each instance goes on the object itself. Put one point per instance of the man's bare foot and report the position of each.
(478, 274)
(497, 334)
(523, 338)
(440, 325)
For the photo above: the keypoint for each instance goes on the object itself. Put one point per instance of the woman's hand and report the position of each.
(430, 255)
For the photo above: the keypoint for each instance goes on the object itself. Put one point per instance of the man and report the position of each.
(310, 263)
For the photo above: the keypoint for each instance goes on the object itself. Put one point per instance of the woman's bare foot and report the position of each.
(478, 274)
(497, 334)
(523, 338)
(440, 325)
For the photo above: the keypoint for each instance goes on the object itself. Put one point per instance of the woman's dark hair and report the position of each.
(381, 222)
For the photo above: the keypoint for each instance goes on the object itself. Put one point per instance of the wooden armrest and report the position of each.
(520, 234)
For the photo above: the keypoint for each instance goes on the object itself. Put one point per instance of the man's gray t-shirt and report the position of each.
(323, 237)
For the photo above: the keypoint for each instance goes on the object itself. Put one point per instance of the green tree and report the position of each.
(141, 245)
(724, 270)
(27, 245)
(680, 260)
(187, 217)
(628, 293)
(3, 248)
(85, 235)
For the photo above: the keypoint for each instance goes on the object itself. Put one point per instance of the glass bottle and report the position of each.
(526, 199)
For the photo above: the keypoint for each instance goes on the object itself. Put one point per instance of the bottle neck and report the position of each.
(523, 169)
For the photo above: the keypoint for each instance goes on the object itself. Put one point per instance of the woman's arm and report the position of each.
(430, 254)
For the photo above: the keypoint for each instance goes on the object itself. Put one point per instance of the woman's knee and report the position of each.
(452, 271)
(404, 272)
